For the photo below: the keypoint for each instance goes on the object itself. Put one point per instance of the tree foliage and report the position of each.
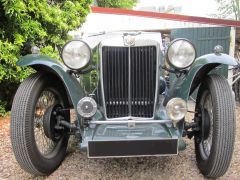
(128, 4)
(44, 23)
(229, 9)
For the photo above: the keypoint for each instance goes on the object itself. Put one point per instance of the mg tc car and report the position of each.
(117, 85)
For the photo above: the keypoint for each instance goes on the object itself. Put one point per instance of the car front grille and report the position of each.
(129, 80)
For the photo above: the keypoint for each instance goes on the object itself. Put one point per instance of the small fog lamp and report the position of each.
(176, 109)
(87, 107)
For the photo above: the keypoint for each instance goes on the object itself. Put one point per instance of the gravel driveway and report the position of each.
(77, 166)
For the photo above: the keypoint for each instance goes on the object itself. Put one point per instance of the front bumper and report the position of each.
(127, 138)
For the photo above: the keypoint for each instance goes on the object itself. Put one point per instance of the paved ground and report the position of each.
(77, 166)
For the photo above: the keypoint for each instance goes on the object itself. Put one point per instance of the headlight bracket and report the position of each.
(177, 72)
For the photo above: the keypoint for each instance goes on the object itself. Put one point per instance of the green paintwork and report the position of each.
(181, 86)
(204, 40)
(123, 132)
(139, 132)
(40, 63)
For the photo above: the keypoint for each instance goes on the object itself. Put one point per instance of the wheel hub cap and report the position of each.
(50, 121)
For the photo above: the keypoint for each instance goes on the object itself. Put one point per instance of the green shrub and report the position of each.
(2, 109)
(44, 23)
(128, 4)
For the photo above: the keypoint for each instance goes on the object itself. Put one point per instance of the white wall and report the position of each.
(97, 22)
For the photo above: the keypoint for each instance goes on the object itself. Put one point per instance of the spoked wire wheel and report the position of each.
(207, 125)
(44, 144)
(214, 143)
(38, 147)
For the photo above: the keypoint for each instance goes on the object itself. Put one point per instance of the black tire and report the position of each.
(23, 115)
(215, 162)
(236, 86)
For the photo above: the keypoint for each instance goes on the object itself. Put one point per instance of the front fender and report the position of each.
(183, 86)
(44, 63)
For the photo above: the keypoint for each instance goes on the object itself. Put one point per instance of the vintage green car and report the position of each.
(116, 83)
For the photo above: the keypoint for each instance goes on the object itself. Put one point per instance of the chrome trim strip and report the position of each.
(128, 118)
(101, 79)
(107, 157)
(143, 121)
(129, 83)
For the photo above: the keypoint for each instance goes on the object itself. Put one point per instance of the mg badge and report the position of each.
(129, 40)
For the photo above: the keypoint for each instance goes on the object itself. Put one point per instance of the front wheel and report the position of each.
(216, 116)
(38, 147)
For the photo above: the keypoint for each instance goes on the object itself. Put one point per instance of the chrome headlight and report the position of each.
(181, 53)
(176, 109)
(76, 54)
